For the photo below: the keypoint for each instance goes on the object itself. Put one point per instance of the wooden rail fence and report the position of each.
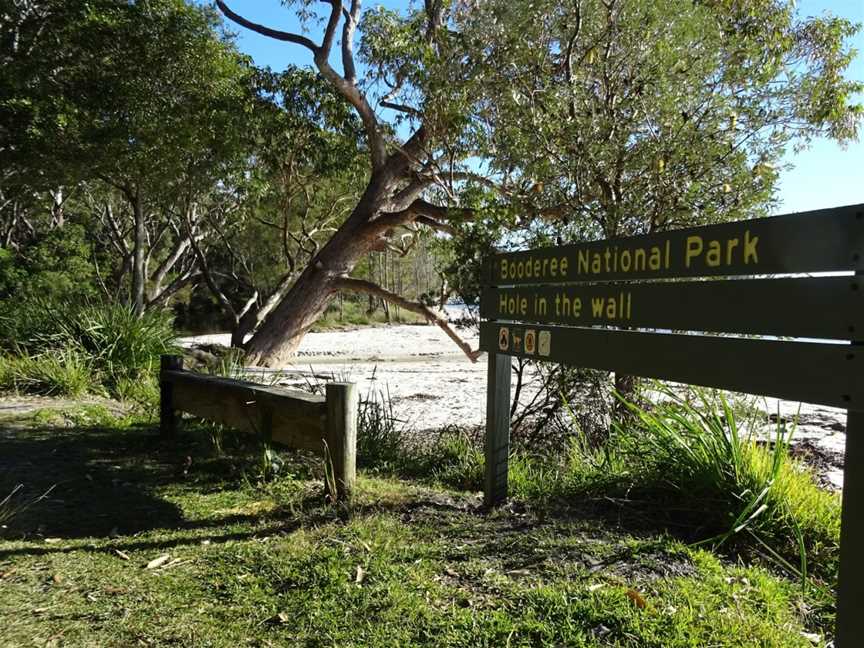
(292, 418)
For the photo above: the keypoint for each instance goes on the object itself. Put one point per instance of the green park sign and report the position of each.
(771, 306)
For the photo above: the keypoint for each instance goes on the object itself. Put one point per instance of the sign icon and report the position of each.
(504, 338)
(517, 341)
(530, 341)
(544, 343)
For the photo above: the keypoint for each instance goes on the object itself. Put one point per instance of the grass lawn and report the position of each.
(145, 543)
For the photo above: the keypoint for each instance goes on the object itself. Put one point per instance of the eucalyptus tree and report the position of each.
(633, 116)
(412, 73)
(147, 97)
(590, 117)
(625, 117)
(265, 224)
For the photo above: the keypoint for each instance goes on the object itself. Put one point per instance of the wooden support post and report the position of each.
(167, 416)
(497, 429)
(341, 437)
(850, 589)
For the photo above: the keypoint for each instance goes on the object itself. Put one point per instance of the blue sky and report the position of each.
(825, 175)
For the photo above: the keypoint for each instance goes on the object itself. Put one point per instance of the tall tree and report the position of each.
(630, 117)
(305, 172)
(438, 73)
(399, 169)
(145, 96)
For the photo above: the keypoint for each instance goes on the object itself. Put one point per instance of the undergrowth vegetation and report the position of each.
(698, 527)
(69, 349)
(350, 314)
(694, 466)
(196, 535)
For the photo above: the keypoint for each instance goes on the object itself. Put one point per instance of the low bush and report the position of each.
(381, 442)
(64, 372)
(69, 349)
(714, 472)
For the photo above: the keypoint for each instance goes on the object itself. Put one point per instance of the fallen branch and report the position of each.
(369, 288)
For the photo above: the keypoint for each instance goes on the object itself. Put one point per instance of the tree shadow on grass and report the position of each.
(109, 484)
(99, 482)
(104, 482)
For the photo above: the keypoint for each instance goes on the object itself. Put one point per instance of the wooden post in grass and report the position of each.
(341, 437)
(850, 586)
(850, 589)
(497, 448)
(167, 416)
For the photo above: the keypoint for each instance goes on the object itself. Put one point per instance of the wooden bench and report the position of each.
(292, 418)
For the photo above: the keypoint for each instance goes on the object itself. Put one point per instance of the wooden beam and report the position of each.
(341, 435)
(850, 589)
(497, 446)
(167, 406)
(823, 307)
(827, 374)
(296, 418)
(826, 240)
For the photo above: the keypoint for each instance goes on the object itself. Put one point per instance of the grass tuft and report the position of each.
(697, 455)
(63, 372)
(70, 349)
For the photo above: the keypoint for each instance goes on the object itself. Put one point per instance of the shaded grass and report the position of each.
(272, 564)
(63, 372)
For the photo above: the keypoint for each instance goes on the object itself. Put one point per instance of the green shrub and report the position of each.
(708, 464)
(120, 343)
(455, 460)
(64, 348)
(143, 391)
(57, 266)
(65, 372)
(380, 434)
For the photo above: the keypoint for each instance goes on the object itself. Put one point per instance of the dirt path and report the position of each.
(18, 406)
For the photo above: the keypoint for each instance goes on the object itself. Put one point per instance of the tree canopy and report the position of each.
(469, 124)
(628, 117)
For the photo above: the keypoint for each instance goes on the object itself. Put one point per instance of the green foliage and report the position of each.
(121, 344)
(689, 465)
(65, 348)
(56, 372)
(411, 566)
(141, 390)
(695, 454)
(454, 460)
(57, 265)
(381, 436)
(638, 117)
(168, 115)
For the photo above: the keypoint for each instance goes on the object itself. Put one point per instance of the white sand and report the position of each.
(432, 384)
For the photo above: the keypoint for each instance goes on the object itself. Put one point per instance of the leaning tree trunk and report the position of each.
(283, 329)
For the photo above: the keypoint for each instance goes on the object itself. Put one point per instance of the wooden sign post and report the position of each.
(600, 305)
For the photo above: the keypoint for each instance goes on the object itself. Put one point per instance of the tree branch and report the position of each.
(267, 31)
(351, 18)
(344, 85)
(369, 288)
(408, 110)
(436, 225)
